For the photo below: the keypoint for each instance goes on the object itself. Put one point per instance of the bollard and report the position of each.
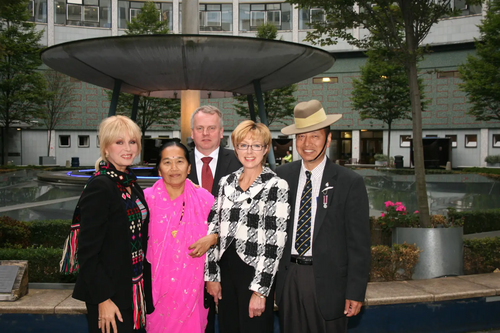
(448, 166)
(68, 163)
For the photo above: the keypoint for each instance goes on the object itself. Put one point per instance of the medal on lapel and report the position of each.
(325, 194)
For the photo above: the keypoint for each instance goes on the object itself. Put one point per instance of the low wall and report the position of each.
(450, 304)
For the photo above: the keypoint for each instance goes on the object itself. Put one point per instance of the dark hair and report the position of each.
(169, 143)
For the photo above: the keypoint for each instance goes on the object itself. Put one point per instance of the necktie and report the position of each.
(303, 236)
(207, 179)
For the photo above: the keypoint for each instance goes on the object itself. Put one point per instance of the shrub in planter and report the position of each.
(13, 233)
(393, 264)
(49, 233)
(492, 159)
(481, 255)
(43, 263)
(476, 221)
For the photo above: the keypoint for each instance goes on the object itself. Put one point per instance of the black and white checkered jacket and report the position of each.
(255, 220)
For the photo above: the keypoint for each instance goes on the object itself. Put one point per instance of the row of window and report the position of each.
(470, 140)
(404, 140)
(83, 141)
(213, 17)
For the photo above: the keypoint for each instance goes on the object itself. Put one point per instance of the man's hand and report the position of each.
(107, 312)
(352, 308)
(214, 289)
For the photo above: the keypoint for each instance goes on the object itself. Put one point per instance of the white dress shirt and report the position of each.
(316, 176)
(199, 163)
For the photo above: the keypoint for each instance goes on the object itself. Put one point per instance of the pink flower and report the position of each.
(399, 204)
(382, 214)
(416, 212)
(388, 204)
(400, 209)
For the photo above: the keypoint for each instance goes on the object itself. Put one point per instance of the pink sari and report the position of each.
(177, 279)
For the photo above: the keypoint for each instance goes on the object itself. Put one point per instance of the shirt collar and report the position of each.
(317, 171)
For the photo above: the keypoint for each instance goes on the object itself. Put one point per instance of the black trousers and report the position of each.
(126, 327)
(236, 277)
(210, 305)
(298, 310)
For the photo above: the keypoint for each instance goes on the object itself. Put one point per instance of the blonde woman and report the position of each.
(250, 216)
(113, 235)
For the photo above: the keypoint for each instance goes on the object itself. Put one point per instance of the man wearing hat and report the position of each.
(324, 271)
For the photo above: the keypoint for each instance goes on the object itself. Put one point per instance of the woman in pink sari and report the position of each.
(177, 244)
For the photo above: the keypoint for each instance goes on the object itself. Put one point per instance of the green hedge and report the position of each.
(49, 233)
(43, 263)
(481, 255)
(476, 221)
(13, 233)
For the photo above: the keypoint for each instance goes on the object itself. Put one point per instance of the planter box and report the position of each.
(46, 160)
(381, 163)
(442, 250)
(494, 165)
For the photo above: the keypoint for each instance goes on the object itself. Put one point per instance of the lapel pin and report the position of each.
(325, 194)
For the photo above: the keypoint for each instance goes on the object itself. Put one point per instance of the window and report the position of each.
(90, 13)
(431, 136)
(496, 140)
(307, 16)
(465, 8)
(453, 140)
(446, 74)
(64, 141)
(321, 80)
(404, 141)
(254, 15)
(216, 17)
(83, 141)
(470, 140)
(38, 10)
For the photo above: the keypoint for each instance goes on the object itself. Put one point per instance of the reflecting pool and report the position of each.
(23, 197)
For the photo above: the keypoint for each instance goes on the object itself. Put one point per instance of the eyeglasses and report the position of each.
(255, 147)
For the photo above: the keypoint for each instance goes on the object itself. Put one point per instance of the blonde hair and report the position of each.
(259, 131)
(113, 128)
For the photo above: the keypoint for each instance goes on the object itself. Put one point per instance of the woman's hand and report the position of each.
(257, 306)
(214, 289)
(202, 245)
(107, 312)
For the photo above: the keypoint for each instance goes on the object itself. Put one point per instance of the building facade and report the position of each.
(451, 40)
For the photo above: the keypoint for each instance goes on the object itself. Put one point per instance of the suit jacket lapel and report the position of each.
(221, 169)
(330, 177)
(293, 183)
(193, 175)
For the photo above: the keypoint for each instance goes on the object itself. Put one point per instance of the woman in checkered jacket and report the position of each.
(250, 216)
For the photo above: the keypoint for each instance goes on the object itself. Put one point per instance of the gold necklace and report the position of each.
(174, 232)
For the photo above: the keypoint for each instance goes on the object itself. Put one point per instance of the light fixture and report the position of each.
(326, 79)
(363, 130)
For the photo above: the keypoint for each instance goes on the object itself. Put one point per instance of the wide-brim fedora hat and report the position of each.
(310, 116)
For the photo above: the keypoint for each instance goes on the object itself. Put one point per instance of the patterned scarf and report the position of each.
(136, 213)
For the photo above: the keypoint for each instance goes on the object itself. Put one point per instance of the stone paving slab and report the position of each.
(71, 306)
(488, 280)
(395, 292)
(39, 301)
(450, 288)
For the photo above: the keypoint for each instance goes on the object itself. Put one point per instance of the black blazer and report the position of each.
(104, 249)
(227, 163)
(341, 240)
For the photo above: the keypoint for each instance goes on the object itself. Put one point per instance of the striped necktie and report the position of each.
(303, 236)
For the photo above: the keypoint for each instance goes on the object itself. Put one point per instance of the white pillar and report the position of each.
(236, 18)
(356, 141)
(484, 142)
(114, 17)
(50, 23)
(175, 16)
(295, 24)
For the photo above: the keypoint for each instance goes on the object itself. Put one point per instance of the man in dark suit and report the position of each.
(324, 271)
(207, 131)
